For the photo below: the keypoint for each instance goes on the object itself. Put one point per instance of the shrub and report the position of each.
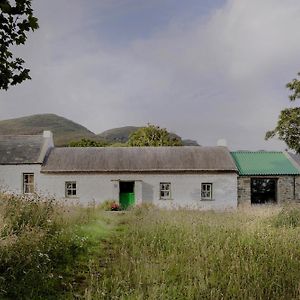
(39, 242)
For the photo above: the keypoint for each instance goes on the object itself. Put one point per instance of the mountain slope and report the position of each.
(64, 130)
(118, 135)
(121, 134)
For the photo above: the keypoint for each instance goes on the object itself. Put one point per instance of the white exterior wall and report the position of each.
(185, 188)
(11, 177)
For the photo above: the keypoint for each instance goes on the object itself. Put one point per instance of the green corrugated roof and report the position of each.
(263, 163)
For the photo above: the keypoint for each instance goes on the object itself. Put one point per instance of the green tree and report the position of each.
(88, 143)
(288, 125)
(16, 20)
(152, 135)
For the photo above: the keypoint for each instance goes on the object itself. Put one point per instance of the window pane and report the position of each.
(30, 178)
(70, 187)
(28, 183)
(206, 190)
(165, 190)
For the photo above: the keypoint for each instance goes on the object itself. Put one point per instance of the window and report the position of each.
(206, 191)
(263, 190)
(165, 190)
(70, 188)
(28, 183)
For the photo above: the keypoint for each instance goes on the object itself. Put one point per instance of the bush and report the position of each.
(38, 244)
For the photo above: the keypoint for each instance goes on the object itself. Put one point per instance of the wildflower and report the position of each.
(115, 206)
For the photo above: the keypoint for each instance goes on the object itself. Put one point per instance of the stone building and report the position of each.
(266, 177)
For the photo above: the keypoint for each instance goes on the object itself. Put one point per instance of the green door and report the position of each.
(126, 200)
(127, 197)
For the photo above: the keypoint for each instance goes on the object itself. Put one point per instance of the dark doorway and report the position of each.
(127, 197)
(263, 190)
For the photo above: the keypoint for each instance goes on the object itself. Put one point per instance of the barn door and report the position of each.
(263, 190)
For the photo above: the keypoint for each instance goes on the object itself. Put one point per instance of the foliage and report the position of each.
(199, 255)
(39, 242)
(16, 20)
(88, 143)
(294, 86)
(288, 125)
(153, 136)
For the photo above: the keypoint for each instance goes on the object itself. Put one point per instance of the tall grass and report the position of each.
(38, 246)
(201, 255)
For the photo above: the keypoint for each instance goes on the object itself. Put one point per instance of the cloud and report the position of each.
(218, 75)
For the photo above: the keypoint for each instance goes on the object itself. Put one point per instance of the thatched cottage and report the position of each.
(192, 177)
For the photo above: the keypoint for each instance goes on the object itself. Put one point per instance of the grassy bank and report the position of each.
(196, 255)
(50, 251)
(40, 242)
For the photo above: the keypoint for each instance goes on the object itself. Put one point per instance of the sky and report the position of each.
(204, 69)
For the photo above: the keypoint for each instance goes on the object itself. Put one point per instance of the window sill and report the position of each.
(72, 197)
(207, 199)
(166, 199)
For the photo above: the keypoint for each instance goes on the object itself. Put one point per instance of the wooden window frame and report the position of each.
(72, 189)
(204, 189)
(28, 187)
(163, 189)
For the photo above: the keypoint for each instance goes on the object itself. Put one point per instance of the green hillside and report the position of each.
(118, 135)
(121, 135)
(64, 130)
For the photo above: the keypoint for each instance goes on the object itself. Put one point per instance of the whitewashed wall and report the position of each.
(185, 188)
(11, 177)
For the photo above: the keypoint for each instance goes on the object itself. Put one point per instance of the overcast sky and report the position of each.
(205, 69)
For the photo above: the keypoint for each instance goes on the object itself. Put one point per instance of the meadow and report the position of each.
(52, 251)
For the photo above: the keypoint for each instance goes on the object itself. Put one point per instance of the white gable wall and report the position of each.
(11, 177)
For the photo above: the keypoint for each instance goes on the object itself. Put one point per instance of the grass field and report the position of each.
(196, 255)
(49, 251)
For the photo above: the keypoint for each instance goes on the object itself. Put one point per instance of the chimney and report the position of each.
(222, 142)
(48, 144)
(48, 138)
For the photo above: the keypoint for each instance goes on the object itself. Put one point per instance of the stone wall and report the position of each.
(244, 191)
(285, 189)
(297, 184)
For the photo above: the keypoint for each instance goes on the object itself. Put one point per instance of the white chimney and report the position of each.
(47, 145)
(47, 134)
(222, 142)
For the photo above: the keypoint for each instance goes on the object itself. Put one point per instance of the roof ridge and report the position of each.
(22, 135)
(267, 152)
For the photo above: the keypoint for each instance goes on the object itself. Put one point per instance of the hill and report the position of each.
(121, 135)
(118, 135)
(64, 130)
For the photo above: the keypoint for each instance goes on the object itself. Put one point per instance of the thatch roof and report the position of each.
(21, 149)
(139, 159)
